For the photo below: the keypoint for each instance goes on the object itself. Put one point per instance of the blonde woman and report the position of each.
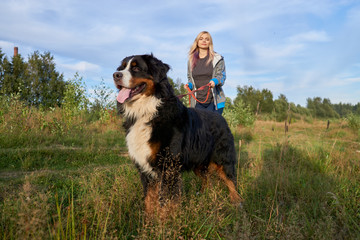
(206, 66)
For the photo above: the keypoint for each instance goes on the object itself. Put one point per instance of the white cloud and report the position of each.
(277, 87)
(6, 46)
(345, 81)
(276, 52)
(311, 36)
(81, 67)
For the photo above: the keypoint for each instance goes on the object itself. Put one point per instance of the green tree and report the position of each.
(281, 107)
(228, 103)
(75, 99)
(179, 89)
(344, 109)
(267, 101)
(46, 84)
(238, 114)
(103, 97)
(37, 80)
(328, 108)
(258, 101)
(5, 75)
(321, 108)
(13, 75)
(356, 109)
(103, 100)
(301, 110)
(3, 63)
(2, 57)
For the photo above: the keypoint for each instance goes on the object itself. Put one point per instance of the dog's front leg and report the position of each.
(151, 191)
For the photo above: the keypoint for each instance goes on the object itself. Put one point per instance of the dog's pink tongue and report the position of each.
(123, 95)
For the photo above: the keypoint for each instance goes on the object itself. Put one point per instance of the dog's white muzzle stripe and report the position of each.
(126, 75)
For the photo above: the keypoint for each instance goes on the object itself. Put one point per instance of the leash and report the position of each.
(191, 93)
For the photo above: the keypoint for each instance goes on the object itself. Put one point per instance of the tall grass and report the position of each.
(61, 181)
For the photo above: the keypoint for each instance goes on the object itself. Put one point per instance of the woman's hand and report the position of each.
(212, 84)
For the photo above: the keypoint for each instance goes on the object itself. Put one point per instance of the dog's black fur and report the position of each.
(172, 135)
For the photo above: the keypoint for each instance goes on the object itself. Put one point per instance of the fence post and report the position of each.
(257, 108)
(238, 164)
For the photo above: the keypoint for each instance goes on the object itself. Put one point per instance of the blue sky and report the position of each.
(297, 48)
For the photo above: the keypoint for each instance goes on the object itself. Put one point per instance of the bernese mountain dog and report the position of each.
(164, 137)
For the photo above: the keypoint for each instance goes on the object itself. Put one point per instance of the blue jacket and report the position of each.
(218, 76)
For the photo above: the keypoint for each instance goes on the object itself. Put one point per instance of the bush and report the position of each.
(239, 114)
(103, 102)
(75, 101)
(353, 122)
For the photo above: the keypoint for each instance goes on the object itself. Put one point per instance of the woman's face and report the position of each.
(204, 41)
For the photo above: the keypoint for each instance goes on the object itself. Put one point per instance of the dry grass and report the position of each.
(77, 183)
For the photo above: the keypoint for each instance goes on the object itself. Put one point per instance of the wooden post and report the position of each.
(257, 108)
(239, 150)
(238, 164)
(287, 119)
(328, 124)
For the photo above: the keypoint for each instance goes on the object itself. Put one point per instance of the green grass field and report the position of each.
(63, 179)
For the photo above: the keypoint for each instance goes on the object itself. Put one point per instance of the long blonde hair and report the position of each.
(194, 50)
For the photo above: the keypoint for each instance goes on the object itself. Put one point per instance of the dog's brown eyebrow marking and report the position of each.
(133, 64)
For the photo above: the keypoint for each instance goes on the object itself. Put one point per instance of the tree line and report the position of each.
(36, 79)
(38, 83)
(262, 102)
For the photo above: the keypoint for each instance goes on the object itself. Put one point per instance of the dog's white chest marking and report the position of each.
(137, 139)
(138, 146)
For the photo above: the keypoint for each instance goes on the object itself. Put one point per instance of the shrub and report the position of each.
(75, 101)
(354, 122)
(239, 114)
(103, 102)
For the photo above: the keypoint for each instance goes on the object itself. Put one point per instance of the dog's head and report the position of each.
(140, 75)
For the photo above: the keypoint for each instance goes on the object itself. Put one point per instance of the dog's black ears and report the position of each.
(157, 68)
